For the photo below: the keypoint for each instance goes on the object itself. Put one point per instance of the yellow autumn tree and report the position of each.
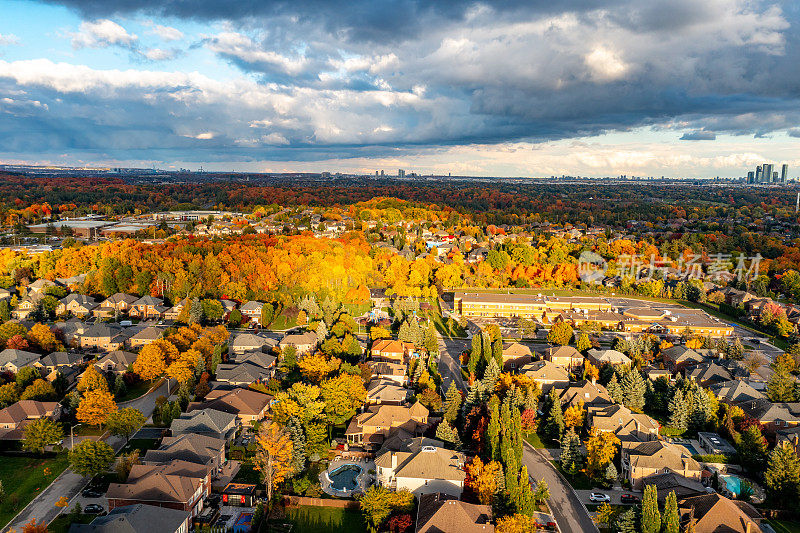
(316, 367)
(592, 373)
(183, 368)
(694, 344)
(600, 449)
(273, 455)
(43, 337)
(92, 379)
(151, 362)
(518, 523)
(95, 406)
(482, 479)
(574, 415)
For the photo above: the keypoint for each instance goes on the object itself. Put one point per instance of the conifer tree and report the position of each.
(651, 517)
(497, 351)
(493, 430)
(671, 522)
(490, 376)
(633, 390)
(554, 425)
(678, 418)
(452, 404)
(614, 390)
(570, 452)
(782, 478)
(445, 432)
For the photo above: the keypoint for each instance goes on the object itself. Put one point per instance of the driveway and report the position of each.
(449, 362)
(43, 507)
(569, 513)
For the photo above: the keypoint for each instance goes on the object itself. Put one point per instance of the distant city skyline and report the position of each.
(674, 88)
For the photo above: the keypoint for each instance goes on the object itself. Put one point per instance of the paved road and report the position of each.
(570, 515)
(449, 364)
(614, 494)
(69, 483)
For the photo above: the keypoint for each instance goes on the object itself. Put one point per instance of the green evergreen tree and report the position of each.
(782, 478)
(486, 348)
(780, 387)
(626, 522)
(672, 521)
(446, 433)
(525, 503)
(610, 475)
(490, 376)
(570, 452)
(633, 390)
(752, 449)
(679, 418)
(475, 355)
(614, 389)
(554, 425)
(493, 430)
(516, 432)
(651, 517)
(452, 404)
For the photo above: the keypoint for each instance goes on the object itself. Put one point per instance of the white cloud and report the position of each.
(605, 65)
(101, 34)
(8, 39)
(241, 47)
(159, 54)
(166, 33)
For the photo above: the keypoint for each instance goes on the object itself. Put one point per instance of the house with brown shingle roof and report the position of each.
(371, 427)
(441, 512)
(15, 417)
(386, 392)
(391, 371)
(248, 405)
(622, 422)
(657, 457)
(564, 356)
(423, 470)
(714, 513)
(392, 351)
(587, 392)
(516, 355)
(175, 485)
(547, 374)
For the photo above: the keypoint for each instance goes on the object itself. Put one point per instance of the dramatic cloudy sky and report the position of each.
(506, 87)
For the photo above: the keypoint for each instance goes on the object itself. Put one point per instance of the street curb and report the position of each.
(5, 528)
(563, 479)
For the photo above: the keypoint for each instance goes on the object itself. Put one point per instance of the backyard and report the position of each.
(307, 519)
(782, 526)
(23, 478)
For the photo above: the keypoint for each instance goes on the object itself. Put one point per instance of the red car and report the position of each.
(629, 498)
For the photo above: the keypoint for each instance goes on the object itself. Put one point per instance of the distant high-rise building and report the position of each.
(758, 175)
(401, 173)
(784, 172)
(381, 173)
(775, 177)
(376, 173)
(751, 177)
(766, 173)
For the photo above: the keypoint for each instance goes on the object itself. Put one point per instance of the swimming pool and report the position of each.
(732, 483)
(345, 477)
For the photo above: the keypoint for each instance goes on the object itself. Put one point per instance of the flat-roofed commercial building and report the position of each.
(523, 305)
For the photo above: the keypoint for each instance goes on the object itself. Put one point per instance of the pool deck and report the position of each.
(364, 478)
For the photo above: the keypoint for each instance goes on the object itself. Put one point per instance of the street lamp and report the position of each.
(71, 436)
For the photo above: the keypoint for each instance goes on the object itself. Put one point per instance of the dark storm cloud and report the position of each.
(699, 136)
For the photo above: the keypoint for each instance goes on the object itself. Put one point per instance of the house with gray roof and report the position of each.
(117, 361)
(209, 422)
(144, 337)
(735, 391)
(426, 470)
(249, 342)
(441, 512)
(12, 360)
(137, 518)
(708, 374)
(189, 447)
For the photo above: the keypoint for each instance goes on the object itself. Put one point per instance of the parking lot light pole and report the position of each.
(71, 436)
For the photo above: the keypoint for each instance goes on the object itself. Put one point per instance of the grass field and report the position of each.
(23, 478)
(782, 526)
(139, 444)
(62, 522)
(535, 440)
(136, 390)
(325, 520)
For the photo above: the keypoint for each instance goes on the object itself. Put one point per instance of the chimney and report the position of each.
(394, 461)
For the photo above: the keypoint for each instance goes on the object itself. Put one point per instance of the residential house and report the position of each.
(192, 448)
(56, 360)
(78, 305)
(12, 360)
(115, 305)
(565, 357)
(547, 374)
(175, 485)
(388, 371)
(386, 391)
(392, 351)
(625, 424)
(773, 416)
(175, 311)
(587, 392)
(735, 391)
(40, 286)
(147, 307)
(72, 329)
(144, 337)
(250, 342)
(26, 306)
(208, 422)
(678, 358)
(15, 417)
(105, 337)
(437, 513)
(117, 361)
(714, 513)
(657, 457)
(708, 374)
(304, 343)
(607, 357)
(425, 470)
(713, 443)
(243, 373)
(515, 356)
(683, 487)
(137, 518)
(252, 310)
(370, 428)
(247, 405)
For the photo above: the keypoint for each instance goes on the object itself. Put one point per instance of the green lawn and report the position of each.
(355, 310)
(23, 478)
(782, 526)
(139, 444)
(136, 390)
(283, 322)
(535, 440)
(448, 328)
(62, 522)
(579, 481)
(307, 519)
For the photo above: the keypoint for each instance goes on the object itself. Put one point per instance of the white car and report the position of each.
(599, 497)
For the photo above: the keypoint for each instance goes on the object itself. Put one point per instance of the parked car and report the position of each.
(599, 497)
(93, 508)
(91, 493)
(629, 498)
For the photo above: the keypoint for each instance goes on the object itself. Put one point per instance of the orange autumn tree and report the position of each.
(35, 527)
(95, 406)
(273, 455)
(574, 415)
(151, 362)
(482, 479)
(92, 379)
(316, 367)
(183, 368)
